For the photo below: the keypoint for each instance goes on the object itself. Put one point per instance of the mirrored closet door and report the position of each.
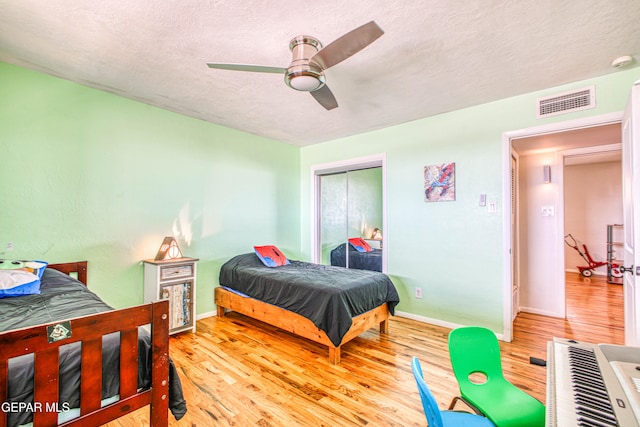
(351, 217)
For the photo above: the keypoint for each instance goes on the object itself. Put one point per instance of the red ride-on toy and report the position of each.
(587, 270)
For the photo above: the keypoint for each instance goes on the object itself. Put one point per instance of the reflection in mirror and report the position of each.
(351, 219)
(333, 213)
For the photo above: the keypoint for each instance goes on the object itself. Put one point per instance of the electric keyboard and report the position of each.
(592, 385)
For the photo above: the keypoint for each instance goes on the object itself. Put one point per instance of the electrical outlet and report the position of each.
(10, 246)
(418, 292)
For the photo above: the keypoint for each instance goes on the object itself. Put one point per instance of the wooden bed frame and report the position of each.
(297, 324)
(89, 330)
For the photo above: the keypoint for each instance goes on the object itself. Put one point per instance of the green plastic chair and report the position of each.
(436, 417)
(475, 352)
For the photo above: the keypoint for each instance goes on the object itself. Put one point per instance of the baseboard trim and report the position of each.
(423, 319)
(205, 315)
(436, 322)
(540, 312)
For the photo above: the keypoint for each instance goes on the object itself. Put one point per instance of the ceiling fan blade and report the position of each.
(247, 67)
(347, 45)
(325, 97)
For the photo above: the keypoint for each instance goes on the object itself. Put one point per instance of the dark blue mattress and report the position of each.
(360, 260)
(328, 296)
(63, 297)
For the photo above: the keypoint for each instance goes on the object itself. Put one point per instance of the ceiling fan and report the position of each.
(310, 59)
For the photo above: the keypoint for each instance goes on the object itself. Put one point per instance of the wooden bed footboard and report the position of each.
(89, 330)
(297, 324)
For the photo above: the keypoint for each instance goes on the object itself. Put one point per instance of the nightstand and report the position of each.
(175, 280)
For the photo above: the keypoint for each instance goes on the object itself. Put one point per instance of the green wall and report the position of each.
(453, 250)
(89, 175)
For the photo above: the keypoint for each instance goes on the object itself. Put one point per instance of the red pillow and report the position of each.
(359, 244)
(271, 256)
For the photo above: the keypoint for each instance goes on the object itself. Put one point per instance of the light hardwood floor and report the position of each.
(239, 372)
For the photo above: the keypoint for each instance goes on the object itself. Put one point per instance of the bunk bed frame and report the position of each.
(89, 330)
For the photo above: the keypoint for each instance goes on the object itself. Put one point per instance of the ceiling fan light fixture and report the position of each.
(306, 77)
(305, 83)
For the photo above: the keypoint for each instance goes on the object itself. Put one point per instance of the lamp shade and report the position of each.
(169, 249)
(376, 234)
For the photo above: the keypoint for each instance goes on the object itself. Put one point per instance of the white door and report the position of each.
(631, 208)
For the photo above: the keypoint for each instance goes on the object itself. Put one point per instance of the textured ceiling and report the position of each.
(435, 56)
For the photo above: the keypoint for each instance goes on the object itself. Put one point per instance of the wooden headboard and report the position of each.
(78, 267)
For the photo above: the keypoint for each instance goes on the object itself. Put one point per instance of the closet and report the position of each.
(351, 207)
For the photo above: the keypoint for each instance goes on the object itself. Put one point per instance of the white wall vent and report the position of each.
(576, 100)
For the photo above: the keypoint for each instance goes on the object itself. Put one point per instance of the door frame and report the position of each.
(372, 161)
(514, 219)
(587, 122)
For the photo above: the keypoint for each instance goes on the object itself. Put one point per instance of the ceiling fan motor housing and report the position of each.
(303, 74)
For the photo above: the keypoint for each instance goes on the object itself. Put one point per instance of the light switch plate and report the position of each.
(548, 211)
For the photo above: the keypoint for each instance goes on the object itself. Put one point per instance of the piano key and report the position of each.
(582, 388)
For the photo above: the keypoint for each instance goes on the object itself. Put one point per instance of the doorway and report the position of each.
(593, 213)
(541, 281)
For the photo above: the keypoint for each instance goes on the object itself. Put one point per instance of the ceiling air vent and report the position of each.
(567, 102)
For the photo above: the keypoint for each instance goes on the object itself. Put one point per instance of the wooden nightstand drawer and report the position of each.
(176, 271)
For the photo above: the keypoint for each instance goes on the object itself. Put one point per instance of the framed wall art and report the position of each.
(439, 182)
